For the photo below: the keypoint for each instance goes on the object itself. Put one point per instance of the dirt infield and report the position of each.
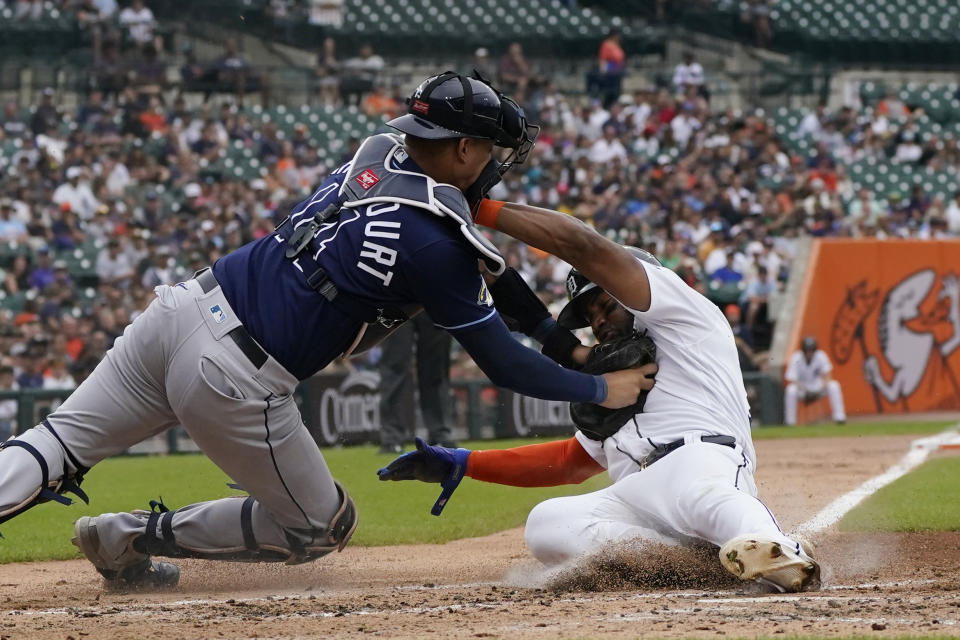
(488, 587)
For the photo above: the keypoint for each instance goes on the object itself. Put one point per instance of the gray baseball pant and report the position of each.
(175, 364)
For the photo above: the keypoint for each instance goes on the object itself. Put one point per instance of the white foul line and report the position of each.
(919, 450)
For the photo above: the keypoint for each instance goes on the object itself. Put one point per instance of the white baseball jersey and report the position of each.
(808, 375)
(699, 387)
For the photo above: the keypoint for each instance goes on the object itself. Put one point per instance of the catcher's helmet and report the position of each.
(450, 105)
(580, 292)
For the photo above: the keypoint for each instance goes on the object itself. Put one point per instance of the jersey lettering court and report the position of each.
(385, 253)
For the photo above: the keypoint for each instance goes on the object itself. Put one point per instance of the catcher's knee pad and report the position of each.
(48, 455)
(323, 541)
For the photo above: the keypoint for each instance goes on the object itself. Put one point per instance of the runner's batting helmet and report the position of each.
(580, 292)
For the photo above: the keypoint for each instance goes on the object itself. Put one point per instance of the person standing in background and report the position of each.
(433, 380)
(808, 379)
(612, 63)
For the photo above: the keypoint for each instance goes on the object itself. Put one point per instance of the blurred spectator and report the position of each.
(8, 408)
(57, 376)
(892, 107)
(514, 72)
(760, 18)
(953, 214)
(90, 19)
(75, 194)
(327, 72)
(325, 12)
(17, 277)
(194, 76)
(160, 271)
(41, 276)
(483, 63)
(14, 126)
(34, 363)
(12, 228)
(728, 273)
(756, 297)
(150, 72)
(611, 65)
(607, 148)
(113, 265)
(282, 14)
(235, 74)
(380, 104)
(688, 75)
(140, 24)
(741, 337)
(107, 8)
(27, 9)
(46, 116)
(92, 110)
(109, 69)
(90, 356)
(812, 123)
(360, 74)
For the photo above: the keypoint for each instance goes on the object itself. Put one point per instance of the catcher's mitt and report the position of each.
(631, 352)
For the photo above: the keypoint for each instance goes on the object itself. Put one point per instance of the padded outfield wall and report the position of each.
(887, 312)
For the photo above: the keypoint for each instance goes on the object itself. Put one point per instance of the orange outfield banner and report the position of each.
(887, 312)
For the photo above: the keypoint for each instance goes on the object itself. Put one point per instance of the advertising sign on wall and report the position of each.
(887, 313)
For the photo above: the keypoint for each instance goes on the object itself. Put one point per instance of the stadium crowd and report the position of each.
(100, 203)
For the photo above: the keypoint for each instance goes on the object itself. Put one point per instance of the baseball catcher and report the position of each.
(387, 235)
(682, 468)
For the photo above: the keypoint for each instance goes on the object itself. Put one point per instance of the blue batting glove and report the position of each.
(430, 464)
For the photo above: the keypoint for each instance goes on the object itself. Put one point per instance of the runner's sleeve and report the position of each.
(536, 465)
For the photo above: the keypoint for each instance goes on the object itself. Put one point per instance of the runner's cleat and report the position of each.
(775, 564)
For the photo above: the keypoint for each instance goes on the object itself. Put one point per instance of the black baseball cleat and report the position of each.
(143, 572)
(148, 574)
(784, 568)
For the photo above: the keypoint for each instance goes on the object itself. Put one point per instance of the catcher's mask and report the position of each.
(450, 105)
(580, 291)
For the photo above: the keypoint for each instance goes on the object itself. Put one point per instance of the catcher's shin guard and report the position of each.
(303, 545)
(54, 462)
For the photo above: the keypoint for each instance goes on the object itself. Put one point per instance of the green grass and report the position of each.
(390, 512)
(924, 500)
(399, 512)
(850, 430)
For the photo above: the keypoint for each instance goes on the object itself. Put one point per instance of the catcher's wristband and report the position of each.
(558, 345)
(487, 212)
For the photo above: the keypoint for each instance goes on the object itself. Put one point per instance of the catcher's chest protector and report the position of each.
(372, 179)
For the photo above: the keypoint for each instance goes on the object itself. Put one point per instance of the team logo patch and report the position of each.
(484, 296)
(420, 107)
(218, 315)
(572, 285)
(367, 179)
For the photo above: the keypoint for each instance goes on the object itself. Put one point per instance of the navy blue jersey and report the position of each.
(386, 253)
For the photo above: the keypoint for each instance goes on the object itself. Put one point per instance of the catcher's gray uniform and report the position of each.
(240, 414)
